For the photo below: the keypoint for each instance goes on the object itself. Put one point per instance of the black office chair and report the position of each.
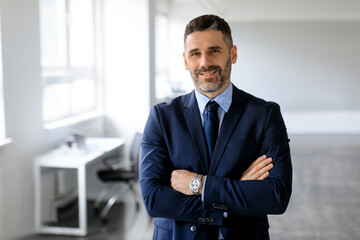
(121, 172)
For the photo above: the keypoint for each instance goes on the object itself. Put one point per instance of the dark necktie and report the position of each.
(211, 125)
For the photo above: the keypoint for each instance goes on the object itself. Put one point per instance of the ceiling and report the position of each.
(258, 10)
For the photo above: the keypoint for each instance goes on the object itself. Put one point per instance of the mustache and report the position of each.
(210, 68)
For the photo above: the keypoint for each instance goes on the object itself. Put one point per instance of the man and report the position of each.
(201, 183)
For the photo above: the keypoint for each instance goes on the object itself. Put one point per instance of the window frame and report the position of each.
(69, 74)
(3, 139)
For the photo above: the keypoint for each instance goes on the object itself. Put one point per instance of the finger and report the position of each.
(172, 180)
(265, 170)
(258, 172)
(255, 170)
(258, 160)
(262, 164)
(265, 175)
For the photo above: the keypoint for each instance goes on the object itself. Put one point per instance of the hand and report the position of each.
(258, 170)
(180, 180)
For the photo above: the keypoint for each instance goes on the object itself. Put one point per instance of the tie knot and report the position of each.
(212, 106)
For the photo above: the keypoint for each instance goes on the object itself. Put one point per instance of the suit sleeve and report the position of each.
(255, 197)
(155, 170)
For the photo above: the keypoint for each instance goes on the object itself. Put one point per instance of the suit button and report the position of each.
(193, 228)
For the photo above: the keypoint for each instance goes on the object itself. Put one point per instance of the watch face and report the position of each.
(195, 184)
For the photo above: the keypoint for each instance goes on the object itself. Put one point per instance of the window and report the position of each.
(163, 86)
(69, 58)
(2, 115)
(3, 141)
(170, 74)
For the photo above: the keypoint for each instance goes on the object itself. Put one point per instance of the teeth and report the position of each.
(210, 73)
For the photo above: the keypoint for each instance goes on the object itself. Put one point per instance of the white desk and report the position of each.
(74, 158)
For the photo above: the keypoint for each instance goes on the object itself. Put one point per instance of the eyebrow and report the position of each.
(215, 48)
(193, 50)
(209, 48)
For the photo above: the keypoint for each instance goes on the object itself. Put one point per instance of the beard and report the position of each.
(214, 83)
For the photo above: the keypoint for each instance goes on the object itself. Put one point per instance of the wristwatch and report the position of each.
(195, 184)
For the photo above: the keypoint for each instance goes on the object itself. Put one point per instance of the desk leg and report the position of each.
(40, 227)
(82, 200)
(37, 178)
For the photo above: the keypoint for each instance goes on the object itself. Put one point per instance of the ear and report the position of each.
(185, 62)
(233, 54)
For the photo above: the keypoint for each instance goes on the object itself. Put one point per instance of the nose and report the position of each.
(205, 61)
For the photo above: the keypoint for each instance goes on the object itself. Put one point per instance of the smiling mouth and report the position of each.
(207, 74)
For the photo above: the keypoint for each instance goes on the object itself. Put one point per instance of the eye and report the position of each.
(214, 51)
(195, 54)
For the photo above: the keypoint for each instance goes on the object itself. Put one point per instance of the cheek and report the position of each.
(190, 67)
(191, 64)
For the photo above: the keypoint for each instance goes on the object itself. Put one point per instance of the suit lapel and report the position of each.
(230, 122)
(193, 121)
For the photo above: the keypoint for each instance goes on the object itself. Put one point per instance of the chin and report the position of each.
(209, 87)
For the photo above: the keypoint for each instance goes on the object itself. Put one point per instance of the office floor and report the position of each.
(325, 204)
(124, 223)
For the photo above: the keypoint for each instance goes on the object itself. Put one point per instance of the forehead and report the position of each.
(204, 39)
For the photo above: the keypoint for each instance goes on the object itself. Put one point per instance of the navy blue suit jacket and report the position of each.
(174, 139)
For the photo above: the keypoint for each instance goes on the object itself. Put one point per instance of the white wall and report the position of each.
(23, 96)
(311, 68)
(126, 66)
(1, 204)
(304, 65)
(302, 54)
(126, 78)
(22, 85)
(126, 98)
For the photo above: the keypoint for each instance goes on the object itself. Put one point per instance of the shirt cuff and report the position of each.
(203, 190)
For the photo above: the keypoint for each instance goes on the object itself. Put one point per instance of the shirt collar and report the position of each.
(224, 99)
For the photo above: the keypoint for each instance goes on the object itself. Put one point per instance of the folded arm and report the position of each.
(258, 170)
(258, 197)
(160, 199)
(244, 196)
(249, 195)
